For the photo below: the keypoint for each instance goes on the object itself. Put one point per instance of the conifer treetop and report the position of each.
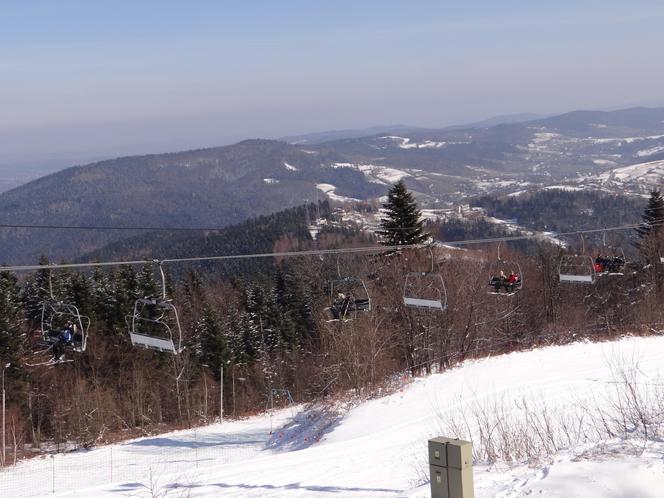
(402, 221)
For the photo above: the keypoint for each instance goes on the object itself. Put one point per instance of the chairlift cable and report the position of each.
(209, 229)
(347, 250)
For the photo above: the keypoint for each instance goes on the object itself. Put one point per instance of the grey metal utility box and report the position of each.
(459, 454)
(438, 451)
(460, 482)
(440, 486)
(451, 468)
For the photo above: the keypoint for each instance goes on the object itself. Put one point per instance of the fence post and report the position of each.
(111, 465)
(52, 474)
(196, 447)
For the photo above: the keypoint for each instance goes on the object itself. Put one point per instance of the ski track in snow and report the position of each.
(372, 451)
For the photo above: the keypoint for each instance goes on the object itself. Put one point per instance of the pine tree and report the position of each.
(245, 338)
(10, 318)
(146, 283)
(125, 292)
(78, 291)
(12, 338)
(213, 347)
(37, 290)
(103, 298)
(402, 224)
(651, 231)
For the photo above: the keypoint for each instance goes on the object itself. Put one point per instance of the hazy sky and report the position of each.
(104, 78)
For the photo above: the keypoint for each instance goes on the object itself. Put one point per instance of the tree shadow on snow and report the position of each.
(309, 427)
(298, 486)
(201, 441)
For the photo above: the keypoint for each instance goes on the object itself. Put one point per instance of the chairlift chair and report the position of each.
(500, 274)
(348, 296)
(611, 260)
(55, 316)
(155, 323)
(577, 269)
(425, 290)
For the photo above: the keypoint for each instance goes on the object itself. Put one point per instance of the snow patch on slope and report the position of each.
(329, 189)
(407, 143)
(620, 141)
(652, 172)
(650, 152)
(565, 188)
(375, 174)
(382, 173)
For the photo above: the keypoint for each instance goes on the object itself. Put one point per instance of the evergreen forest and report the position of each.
(263, 323)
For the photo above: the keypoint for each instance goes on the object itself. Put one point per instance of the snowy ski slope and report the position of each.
(375, 449)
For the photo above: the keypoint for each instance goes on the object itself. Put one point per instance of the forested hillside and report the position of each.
(271, 329)
(218, 187)
(559, 210)
(263, 234)
(201, 188)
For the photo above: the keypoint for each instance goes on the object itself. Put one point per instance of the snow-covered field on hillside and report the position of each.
(377, 448)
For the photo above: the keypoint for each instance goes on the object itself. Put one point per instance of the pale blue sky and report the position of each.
(105, 78)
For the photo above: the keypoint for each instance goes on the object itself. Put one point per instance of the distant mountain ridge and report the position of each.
(329, 136)
(217, 187)
(209, 187)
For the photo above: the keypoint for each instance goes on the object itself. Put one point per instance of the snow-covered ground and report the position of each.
(329, 190)
(652, 172)
(377, 448)
(375, 174)
(650, 152)
(514, 228)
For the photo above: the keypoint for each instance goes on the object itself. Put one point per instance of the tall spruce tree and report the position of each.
(212, 345)
(10, 318)
(37, 290)
(651, 230)
(402, 224)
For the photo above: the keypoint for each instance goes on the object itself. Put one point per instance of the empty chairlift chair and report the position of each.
(155, 323)
(577, 269)
(425, 290)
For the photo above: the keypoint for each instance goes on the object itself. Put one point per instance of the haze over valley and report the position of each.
(618, 151)
(267, 248)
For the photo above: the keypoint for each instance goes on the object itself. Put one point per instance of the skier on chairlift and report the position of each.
(600, 264)
(498, 281)
(617, 264)
(512, 283)
(339, 306)
(65, 337)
